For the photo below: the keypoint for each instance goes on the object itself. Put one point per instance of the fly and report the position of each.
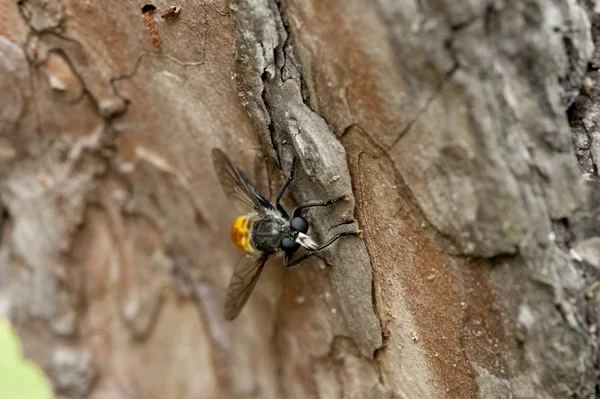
(265, 231)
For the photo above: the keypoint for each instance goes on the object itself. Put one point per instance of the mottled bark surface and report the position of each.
(446, 121)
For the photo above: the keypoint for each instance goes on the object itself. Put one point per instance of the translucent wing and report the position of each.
(245, 276)
(235, 183)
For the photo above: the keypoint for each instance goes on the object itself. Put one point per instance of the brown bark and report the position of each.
(445, 120)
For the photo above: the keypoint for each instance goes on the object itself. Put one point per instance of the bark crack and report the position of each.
(115, 79)
(415, 118)
(85, 91)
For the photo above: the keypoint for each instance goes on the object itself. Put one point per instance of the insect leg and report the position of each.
(318, 203)
(287, 262)
(337, 237)
(322, 246)
(284, 187)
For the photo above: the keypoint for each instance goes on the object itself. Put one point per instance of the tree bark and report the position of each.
(455, 126)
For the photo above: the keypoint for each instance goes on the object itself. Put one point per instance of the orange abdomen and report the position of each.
(240, 233)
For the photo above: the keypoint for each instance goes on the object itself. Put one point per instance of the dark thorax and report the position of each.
(267, 232)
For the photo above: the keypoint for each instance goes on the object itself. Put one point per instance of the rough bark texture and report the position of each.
(447, 123)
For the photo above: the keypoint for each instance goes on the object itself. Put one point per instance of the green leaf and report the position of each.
(19, 378)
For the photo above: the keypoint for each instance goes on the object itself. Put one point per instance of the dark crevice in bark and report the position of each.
(287, 52)
(374, 300)
(285, 48)
(569, 49)
(464, 25)
(55, 34)
(586, 142)
(85, 91)
(582, 113)
(270, 125)
(4, 220)
(583, 117)
(113, 80)
(374, 281)
(383, 156)
(562, 234)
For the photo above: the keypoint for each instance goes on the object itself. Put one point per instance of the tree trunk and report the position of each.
(445, 121)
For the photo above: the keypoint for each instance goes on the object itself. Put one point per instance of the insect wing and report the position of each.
(236, 187)
(244, 278)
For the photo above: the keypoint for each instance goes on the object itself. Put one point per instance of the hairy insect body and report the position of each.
(252, 232)
(266, 231)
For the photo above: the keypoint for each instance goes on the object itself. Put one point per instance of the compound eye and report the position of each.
(300, 224)
(289, 245)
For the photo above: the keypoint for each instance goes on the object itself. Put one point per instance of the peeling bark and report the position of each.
(465, 133)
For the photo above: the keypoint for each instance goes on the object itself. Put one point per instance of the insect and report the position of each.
(170, 12)
(264, 231)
